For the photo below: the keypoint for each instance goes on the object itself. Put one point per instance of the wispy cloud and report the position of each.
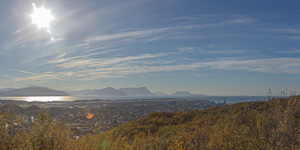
(84, 63)
(194, 17)
(239, 21)
(61, 55)
(286, 30)
(2, 52)
(292, 33)
(123, 71)
(274, 65)
(18, 31)
(33, 76)
(212, 50)
(154, 34)
(97, 71)
(62, 58)
(188, 37)
(54, 40)
(292, 50)
(22, 71)
(186, 49)
(132, 34)
(206, 17)
(295, 37)
(38, 78)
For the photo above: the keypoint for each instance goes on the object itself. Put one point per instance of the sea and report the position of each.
(217, 99)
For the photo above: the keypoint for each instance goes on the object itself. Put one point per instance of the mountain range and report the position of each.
(182, 93)
(141, 91)
(109, 91)
(32, 91)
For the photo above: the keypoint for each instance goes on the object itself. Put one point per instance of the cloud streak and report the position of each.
(289, 51)
(272, 66)
(154, 34)
(88, 63)
(38, 78)
(212, 50)
(22, 71)
(132, 34)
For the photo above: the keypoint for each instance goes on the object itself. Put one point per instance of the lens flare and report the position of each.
(90, 116)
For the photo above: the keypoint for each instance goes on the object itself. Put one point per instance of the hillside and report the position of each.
(253, 125)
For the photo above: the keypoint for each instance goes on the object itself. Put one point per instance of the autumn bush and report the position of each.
(272, 124)
(43, 134)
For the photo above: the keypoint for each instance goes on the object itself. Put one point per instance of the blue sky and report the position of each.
(212, 47)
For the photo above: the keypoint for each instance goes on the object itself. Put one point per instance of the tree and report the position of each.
(12, 130)
(47, 134)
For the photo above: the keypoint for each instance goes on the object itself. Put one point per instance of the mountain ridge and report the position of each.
(33, 91)
(140, 91)
(109, 91)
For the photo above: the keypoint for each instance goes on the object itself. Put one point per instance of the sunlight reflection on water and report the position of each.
(44, 99)
(229, 99)
(40, 98)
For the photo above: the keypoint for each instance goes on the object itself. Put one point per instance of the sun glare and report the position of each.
(41, 17)
(44, 98)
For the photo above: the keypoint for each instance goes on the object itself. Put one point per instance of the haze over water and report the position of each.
(228, 99)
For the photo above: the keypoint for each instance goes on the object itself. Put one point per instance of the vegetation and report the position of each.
(272, 124)
(43, 134)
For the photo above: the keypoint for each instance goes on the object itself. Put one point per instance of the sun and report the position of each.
(41, 17)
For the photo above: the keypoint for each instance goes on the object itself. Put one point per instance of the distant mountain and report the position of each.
(107, 92)
(141, 91)
(182, 93)
(81, 92)
(159, 93)
(131, 92)
(6, 89)
(186, 94)
(198, 95)
(33, 91)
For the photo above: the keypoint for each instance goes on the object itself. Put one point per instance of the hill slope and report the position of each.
(253, 125)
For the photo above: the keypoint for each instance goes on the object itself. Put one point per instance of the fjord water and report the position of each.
(236, 99)
(40, 98)
(218, 99)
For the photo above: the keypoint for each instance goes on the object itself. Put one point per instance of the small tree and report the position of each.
(47, 134)
(12, 130)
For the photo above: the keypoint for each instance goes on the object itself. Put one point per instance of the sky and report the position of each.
(212, 47)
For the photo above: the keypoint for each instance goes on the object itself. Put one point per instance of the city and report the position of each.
(97, 116)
